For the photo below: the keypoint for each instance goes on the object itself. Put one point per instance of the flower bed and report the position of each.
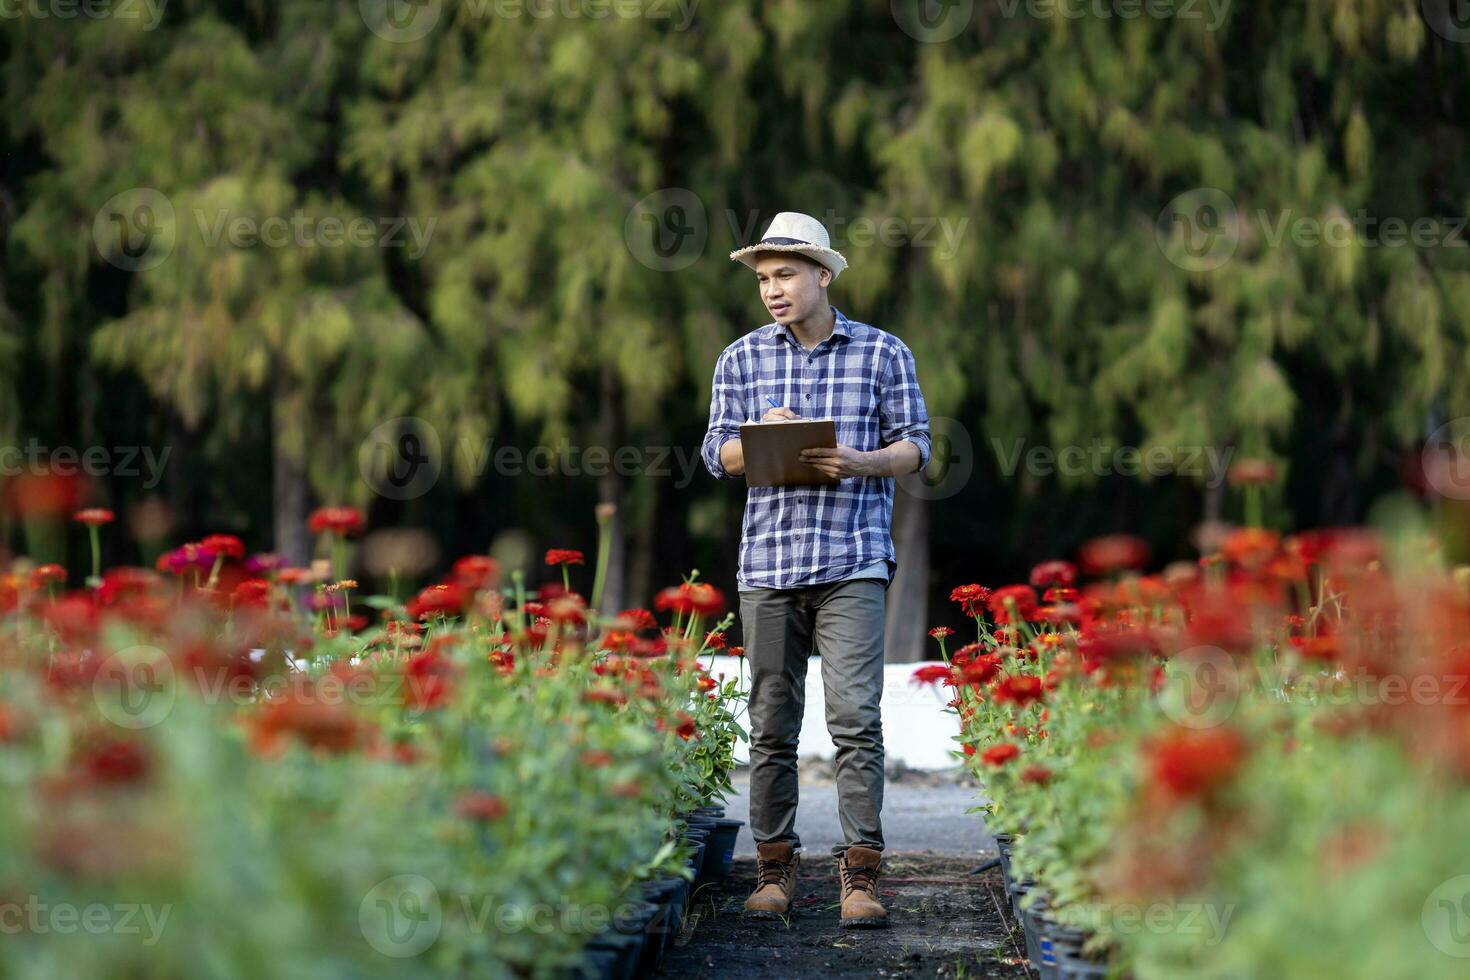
(1251, 766)
(233, 774)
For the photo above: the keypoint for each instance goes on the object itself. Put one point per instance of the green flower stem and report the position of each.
(94, 535)
(604, 547)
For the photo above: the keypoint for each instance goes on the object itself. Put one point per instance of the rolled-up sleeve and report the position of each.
(726, 413)
(901, 410)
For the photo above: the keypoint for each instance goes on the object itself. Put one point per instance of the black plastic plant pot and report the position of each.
(1018, 890)
(720, 852)
(632, 917)
(713, 810)
(1045, 957)
(1028, 929)
(628, 949)
(598, 963)
(1003, 848)
(1057, 940)
(697, 841)
(1077, 968)
(668, 895)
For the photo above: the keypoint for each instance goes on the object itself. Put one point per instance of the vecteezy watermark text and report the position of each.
(1200, 229)
(149, 11)
(310, 231)
(1212, 12)
(405, 21)
(34, 916)
(119, 461)
(402, 916)
(669, 229)
(402, 459)
(1099, 458)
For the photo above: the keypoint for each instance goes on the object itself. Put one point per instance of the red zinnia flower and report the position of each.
(931, 674)
(1111, 553)
(342, 521)
(655, 647)
(479, 806)
(1250, 547)
(1194, 762)
(318, 721)
(696, 597)
(683, 725)
(638, 619)
(1251, 472)
(999, 755)
(115, 760)
(1018, 689)
(972, 598)
(1036, 775)
(95, 516)
(476, 572)
(714, 640)
(44, 495)
(980, 669)
(427, 678)
(1023, 597)
(564, 556)
(252, 592)
(226, 545)
(940, 632)
(444, 599)
(1062, 573)
(46, 574)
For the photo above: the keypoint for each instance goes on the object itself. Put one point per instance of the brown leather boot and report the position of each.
(858, 870)
(776, 865)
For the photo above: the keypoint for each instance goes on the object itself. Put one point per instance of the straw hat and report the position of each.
(792, 231)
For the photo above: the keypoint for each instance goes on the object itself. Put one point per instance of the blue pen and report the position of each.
(774, 403)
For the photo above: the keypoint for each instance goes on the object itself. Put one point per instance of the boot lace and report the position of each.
(860, 879)
(773, 872)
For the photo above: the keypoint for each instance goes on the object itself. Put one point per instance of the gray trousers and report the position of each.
(843, 622)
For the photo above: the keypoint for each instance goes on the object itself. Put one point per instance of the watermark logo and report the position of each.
(932, 21)
(136, 229)
(667, 230)
(134, 687)
(401, 916)
(1198, 230)
(951, 462)
(1201, 687)
(1445, 459)
(1446, 917)
(400, 459)
(1450, 19)
(400, 21)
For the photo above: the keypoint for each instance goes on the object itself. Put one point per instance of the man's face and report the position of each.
(792, 287)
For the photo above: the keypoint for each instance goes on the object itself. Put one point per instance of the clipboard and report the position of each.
(772, 452)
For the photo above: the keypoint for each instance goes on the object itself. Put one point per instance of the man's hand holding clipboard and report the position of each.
(783, 449)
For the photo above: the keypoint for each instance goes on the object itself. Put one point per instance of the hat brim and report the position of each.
(833, 260)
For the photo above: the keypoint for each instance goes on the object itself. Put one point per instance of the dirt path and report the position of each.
(944, 923)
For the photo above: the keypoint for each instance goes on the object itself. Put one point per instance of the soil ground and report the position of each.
(944, 922)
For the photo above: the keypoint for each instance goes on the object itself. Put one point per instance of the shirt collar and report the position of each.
(841, 327)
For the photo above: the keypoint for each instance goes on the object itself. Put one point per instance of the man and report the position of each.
(815, 561)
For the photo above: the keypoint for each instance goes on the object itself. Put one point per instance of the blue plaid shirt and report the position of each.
(864, 380)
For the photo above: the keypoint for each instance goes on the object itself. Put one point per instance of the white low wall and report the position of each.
(917, 728)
